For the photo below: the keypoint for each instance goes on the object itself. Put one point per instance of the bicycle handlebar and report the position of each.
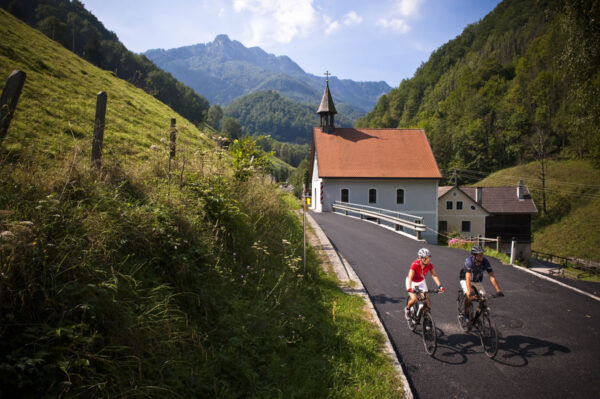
(420, 291)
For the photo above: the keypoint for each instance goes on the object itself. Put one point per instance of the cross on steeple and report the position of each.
(327, 75)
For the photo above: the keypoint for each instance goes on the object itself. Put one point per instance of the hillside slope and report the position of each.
(523, 79)
(268, 112)
(570, 226)
(58, 103)
(70, 24)
(150, 277)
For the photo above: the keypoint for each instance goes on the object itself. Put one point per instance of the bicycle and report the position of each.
(488, 334)
(420, 313)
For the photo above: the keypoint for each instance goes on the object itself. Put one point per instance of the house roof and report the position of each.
(498, 199)
(374, 153)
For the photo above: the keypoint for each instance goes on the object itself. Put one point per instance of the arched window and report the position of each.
(400, 196)
(372, 196)
(345, 195)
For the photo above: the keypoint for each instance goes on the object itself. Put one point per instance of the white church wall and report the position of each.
(420, 197)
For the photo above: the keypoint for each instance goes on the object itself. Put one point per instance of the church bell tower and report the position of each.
(327, 110)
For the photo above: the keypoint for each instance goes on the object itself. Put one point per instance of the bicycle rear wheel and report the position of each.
(488, 335)
(412, 324)
(460, 308)
(429, 333)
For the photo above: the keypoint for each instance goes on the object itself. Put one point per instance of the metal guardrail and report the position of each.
(587, 266)
(397, 219)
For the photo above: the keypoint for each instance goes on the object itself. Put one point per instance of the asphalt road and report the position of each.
(549, 335)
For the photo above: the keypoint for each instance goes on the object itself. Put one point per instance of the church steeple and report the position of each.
(327, 109)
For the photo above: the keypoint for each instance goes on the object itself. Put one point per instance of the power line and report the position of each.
(477, 174)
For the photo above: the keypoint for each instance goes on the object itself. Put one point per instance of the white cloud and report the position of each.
(331, 25)
(398, 25)
(408, 8)
(352, 18)
(404, 10)
(276, 20)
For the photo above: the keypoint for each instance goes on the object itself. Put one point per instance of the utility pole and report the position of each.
(304, 228)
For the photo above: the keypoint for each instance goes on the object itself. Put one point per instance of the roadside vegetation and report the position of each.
(154, 278)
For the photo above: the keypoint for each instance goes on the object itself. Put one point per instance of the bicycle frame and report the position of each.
(481, 321)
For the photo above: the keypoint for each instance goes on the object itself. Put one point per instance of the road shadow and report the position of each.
(513, 351)
(454, 349)
(516, 350)
(381, 299)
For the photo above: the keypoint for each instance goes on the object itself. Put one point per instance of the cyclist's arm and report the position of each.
(436, 278)
(494, 282)
(411, 274)
(468, 282)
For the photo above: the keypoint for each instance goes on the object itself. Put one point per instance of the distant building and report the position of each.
(393, 169)
(491, 212)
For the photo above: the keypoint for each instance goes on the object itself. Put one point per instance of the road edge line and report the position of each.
(556, 281)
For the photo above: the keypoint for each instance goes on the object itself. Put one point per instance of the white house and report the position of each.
(460, 213)
(492, 212)
(393, 169)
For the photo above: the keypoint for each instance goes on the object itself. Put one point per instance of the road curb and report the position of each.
(346, 274)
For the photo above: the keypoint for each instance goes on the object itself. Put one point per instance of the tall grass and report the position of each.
(140, 279)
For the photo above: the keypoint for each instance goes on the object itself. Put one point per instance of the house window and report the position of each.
(372, 196)
(344, 195)
(443, 226)
(459, 205)
(399, 196)
(466, 226)
(448, 204)
(473, 207)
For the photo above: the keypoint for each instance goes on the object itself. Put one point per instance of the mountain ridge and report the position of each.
(238, 70)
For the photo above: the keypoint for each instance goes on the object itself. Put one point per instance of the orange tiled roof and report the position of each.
(375, 153)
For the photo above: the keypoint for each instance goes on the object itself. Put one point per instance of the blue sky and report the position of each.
(353, 39)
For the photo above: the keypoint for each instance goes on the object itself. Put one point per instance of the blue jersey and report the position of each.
(476, 271)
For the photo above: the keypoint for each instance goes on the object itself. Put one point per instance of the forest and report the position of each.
(70, 24)
(522, 84)
(268, 112)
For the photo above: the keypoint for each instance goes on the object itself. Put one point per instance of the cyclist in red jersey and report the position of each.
(416, 277)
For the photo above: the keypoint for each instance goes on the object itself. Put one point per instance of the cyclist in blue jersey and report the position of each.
(471, 277)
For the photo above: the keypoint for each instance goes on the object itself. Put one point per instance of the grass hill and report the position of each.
(130, 281)
(570, 227)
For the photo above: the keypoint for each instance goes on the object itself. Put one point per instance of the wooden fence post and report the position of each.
(173, 146)
(8, 100)
(498, 244)
(99, 128)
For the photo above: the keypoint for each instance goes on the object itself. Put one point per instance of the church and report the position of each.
(392, 169)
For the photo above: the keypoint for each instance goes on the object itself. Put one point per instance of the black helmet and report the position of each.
(476, 249)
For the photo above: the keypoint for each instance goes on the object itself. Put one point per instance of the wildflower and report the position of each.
(285, 242)
(7, 236)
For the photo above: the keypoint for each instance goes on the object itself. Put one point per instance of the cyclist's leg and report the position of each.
(478, 287)
(463, 285)
(412, 296)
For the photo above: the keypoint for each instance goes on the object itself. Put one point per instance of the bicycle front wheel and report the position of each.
(429, 333)
(488, 335)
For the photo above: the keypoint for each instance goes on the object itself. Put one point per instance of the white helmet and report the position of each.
(424, 253)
